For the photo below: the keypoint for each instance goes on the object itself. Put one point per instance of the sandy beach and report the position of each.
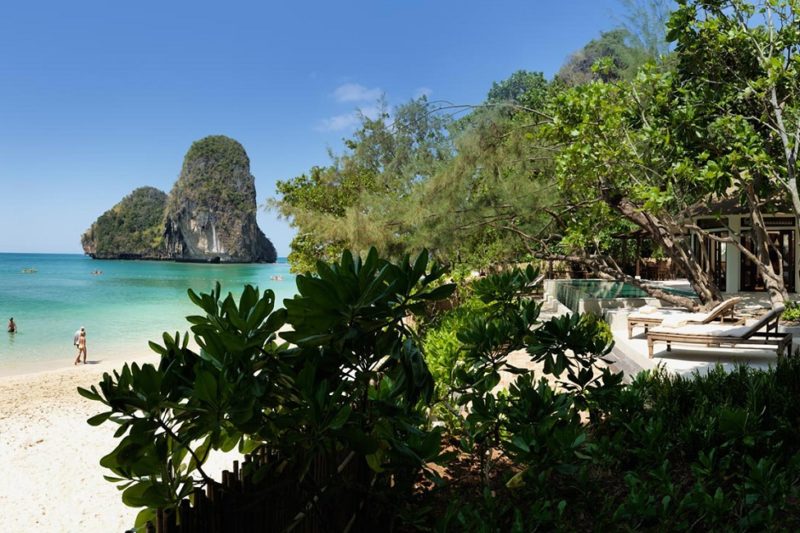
(50, 477)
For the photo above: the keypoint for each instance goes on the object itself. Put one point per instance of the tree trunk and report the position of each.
(773, 281)
(700, 280)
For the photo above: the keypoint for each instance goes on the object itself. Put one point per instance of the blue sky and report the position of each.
(98, 98)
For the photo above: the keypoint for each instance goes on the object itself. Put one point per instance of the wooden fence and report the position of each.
(239, 505)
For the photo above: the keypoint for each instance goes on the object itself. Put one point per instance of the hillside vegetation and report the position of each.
(133, 227)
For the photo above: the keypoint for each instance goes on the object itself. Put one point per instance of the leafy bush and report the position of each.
(441, 345)
(709, 452)
(494, 300)
(353, 382)
(580, 450)
(506, 290)
(792, 311)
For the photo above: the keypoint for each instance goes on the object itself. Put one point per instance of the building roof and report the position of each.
(735, 206)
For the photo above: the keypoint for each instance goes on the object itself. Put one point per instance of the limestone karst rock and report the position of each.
(209, 216)
(211, 210)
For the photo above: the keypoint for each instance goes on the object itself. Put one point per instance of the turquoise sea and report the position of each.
(130, 303)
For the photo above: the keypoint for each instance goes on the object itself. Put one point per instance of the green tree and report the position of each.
(360, 199)
(652, 151)
(494, 180)
(522, 88)
(620, 160)
(739, 65)
(614, 50)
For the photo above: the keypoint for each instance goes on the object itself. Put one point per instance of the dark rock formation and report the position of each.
(132, 229)
(211, 211)
(210, 214)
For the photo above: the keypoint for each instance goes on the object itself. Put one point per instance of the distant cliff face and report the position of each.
(209, 216)
(132, 229)
(211, 211)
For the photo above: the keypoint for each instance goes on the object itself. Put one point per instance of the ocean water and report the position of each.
(130, 303)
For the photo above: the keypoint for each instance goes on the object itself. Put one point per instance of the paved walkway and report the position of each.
(630, 355)
(685, 359)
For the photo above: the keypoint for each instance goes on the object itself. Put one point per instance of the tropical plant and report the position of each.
(351, 386)
(792, 311)
(712, 451)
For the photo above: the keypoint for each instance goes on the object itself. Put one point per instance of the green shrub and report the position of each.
(496, 317)
(353, 381)
(441, 345)
(792, 311)
(717, 452)
(582, 451)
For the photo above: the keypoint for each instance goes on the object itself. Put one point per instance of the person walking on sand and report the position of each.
(77, 336)
(12, 327)
(81, 347)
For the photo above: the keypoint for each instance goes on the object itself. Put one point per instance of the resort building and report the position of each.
(733, 272)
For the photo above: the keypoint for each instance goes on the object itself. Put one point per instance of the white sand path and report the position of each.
(50, 477)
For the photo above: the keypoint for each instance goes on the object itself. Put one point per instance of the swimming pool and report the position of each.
(589, 295)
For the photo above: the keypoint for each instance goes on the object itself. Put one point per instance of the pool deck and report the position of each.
(630, 355)
(684, 360)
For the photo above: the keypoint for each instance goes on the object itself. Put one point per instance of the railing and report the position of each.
(240, 505)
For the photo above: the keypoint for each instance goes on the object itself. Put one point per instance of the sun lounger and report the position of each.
(763, 333)
(722, 312)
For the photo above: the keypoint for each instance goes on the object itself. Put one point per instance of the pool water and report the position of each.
(571, 292)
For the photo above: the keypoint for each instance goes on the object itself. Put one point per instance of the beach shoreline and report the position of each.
(21, 368)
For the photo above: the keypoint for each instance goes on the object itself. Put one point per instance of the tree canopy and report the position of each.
(630, 134)
(360, 199)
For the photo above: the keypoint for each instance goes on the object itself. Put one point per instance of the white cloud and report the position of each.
(423, 91)
(371, 111)
(348, 121)
(349, 93)
(354, 92)
(338, 122)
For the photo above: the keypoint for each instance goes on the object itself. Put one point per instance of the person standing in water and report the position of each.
(81, 345)
(12, 327)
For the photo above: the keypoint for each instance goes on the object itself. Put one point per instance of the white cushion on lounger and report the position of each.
(646, 309)
(673, 318)
(662, 314)
(714, 330)
(681, 319)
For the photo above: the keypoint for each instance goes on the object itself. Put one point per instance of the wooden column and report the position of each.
(639, 256)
